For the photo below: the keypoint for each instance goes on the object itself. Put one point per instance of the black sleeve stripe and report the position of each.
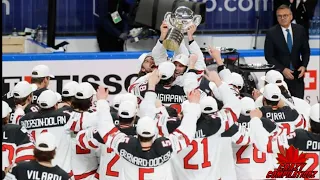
(268, 124)
(231, 131)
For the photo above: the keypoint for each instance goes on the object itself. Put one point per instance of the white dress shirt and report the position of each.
(285, 33)
(297, 3)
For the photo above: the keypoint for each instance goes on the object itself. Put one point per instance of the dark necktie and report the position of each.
(289, 44)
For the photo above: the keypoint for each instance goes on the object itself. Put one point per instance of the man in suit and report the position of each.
(283, 46)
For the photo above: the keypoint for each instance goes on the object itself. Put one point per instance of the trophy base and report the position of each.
(171, 45)
(173, 40)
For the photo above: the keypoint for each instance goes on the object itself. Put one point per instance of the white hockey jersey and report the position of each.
(53, 122)
(249, 161)
(85, 161)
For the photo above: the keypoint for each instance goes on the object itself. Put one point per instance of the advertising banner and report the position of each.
(78, 16)
(118, 74)
(114, 74)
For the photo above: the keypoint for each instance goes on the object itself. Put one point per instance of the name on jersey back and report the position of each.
(152, 162)
(314, 145)
(44, 122)
(36, 175)
(171, 98)
(276, 116)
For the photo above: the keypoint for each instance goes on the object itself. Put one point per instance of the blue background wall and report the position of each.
(77, 16)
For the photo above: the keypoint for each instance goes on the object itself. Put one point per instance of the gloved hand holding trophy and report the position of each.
(178, 23)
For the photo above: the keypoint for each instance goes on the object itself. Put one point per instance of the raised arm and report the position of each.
(224, 73)
(264, 141)
(184, 134)
(159, 53)
(195, 49)
(92, 137)
(230, 101)
(148, 104)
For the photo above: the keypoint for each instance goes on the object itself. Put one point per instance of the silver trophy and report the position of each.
(178, 23)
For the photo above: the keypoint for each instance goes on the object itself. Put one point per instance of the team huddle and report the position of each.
(177, 121)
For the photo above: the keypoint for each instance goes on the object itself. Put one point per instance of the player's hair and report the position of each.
(81, 104)
(125, 120)
(283, 6)
(271, 103)
(141, 73)
(5, 120)
(21, 101)
(43, 156)
(53, 108)
(67, 99)
(145, 139)
(37, 80)
(166, 82)
(315, 127)
(283, 90)
(205, 118)
(113, 110)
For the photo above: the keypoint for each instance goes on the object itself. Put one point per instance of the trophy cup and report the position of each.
(178, 23)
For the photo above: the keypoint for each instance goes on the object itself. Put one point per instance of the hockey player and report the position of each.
(289, 118)
(40, 76)
(22, 97)
(16, 143)
(146, 64)
(50, 119)
(81, 118)
(84, 162)
(69, 90)
(42, 167)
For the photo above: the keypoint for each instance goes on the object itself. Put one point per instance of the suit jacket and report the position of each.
(277, 52)
(304, 12)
